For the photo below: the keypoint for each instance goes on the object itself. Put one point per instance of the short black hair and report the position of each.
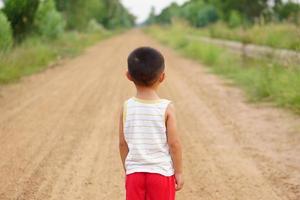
(145, 64)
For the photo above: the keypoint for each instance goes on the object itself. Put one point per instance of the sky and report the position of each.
(141, 8)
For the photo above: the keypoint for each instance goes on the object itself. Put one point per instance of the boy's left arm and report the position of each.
(123, 147)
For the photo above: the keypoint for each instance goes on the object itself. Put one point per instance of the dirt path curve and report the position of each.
(58, 132)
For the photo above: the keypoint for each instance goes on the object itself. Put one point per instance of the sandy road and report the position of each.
(58, 132)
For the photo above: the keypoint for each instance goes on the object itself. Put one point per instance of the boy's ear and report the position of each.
(162, 77)
(128, 76)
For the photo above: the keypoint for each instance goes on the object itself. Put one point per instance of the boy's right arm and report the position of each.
(174, 145)
(123, 147)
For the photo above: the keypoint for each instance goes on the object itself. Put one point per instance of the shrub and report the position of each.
(6, 39)
(94, 26)
(208, 14)
(235, 19)
(200, 14)
(48, 21)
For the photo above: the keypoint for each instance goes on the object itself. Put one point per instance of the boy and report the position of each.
(149, 145)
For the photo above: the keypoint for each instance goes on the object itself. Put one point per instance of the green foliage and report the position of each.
(263, 80)
(249, 9)
(200, 14)
(117, 15)
(110, 13)
(197, 13)
(235, 19)
(6, 39)
(208, 14)
(78, 12)
(168, 13)
(151, 18)
(48, 20)
(21, 15)
(288, 11)
(94, 26)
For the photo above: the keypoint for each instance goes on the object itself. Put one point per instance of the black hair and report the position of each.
(145, 64)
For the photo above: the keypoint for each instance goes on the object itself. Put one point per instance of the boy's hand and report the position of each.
(178, 181)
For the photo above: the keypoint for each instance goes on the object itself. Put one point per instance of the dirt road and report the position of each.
(58, 132)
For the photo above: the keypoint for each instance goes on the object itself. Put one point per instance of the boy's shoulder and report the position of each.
(137, 100)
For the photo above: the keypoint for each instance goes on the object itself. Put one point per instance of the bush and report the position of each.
(235, 19)
(94, 26)
(48, 21)
(200, 14)
(6, 39)
(206, 15)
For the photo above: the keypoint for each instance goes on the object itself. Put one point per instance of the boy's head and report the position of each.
(145, 66)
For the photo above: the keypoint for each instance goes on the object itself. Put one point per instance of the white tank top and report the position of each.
(145, 133)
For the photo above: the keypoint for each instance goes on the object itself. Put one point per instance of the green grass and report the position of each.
(262, 79)
(36, 54)
(286, 36)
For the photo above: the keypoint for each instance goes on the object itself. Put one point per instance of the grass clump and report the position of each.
(35, 54)
(285, 36)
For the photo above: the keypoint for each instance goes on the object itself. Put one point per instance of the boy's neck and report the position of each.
(146, 93)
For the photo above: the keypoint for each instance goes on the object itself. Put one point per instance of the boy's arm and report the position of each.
(174, 145)
(123, 148)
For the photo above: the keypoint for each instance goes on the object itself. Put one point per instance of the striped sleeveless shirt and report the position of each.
(145, 134)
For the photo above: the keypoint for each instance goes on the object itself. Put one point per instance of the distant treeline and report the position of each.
(50, 18)
(200, 13)
(109, 13)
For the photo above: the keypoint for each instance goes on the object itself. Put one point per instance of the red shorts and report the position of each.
(149, 186)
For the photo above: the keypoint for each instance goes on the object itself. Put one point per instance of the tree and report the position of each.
(77, 12)
(249, 9)
(151, 17)
(110, 13)
(288, 10)
(6, 39)
(116, 15)
(197, 13)
(21, 14)
(48, 21)
(165, 17)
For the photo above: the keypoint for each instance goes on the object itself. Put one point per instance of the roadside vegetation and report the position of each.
(34, 55)
(253, 21)
(262, 79)
(276, 35)
(35, 34)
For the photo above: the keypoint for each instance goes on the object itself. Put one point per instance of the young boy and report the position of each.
(149, 145)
